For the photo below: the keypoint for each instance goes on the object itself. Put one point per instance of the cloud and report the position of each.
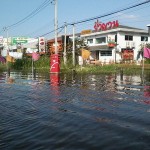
(127, 16)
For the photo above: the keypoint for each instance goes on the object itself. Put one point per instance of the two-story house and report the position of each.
(112, 42)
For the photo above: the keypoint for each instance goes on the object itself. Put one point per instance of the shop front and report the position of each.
(102, 54)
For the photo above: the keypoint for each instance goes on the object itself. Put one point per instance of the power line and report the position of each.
(62, 27)
(128, 12)
(111, 13)
(33, 13)
(47, 25)
(101, 16)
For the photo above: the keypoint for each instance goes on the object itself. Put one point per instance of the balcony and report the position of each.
(111, 45)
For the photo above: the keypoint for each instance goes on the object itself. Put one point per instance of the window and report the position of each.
(106, 53)
(144, 38)
(128, 38)
(89, 41)
(116, 38)
(100, 40)
(97, 55)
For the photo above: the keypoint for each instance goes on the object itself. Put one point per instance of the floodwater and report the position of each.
(74, 112)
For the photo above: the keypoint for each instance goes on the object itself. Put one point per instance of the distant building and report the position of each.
(16, 46)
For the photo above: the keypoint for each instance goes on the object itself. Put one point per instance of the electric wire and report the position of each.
(119, 15)
(46, 2)
(47, 25)
(102, 16)
(111, 13)
(50, 31)
(33, 13)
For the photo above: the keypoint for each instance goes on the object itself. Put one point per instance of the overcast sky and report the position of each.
(19, 17)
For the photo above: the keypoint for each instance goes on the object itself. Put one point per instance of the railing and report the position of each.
(130, 44)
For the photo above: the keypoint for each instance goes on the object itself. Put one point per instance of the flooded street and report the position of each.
(74, 112)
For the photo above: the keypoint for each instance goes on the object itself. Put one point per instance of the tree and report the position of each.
(79, 44)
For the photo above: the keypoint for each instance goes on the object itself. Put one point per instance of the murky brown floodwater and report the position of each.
(74, 112)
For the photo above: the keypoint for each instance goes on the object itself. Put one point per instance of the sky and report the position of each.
(35, 18)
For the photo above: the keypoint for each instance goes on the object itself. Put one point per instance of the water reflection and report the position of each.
(9, 78)
(147, 91)
(73, 111)
(54, 82)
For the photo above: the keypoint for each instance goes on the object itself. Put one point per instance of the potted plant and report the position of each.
(111, 43)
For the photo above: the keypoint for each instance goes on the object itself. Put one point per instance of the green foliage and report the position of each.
(113, 68)
(144, 45)
(26, 63)
(68, 64)
(97, 69)
(147, 61)
(79, 43)
(22, 63)
(43, 62)
(148, 45)
(2, 67)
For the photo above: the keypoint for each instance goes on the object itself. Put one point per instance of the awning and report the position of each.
(98, 48)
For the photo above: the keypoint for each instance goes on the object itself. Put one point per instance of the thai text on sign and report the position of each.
(99, 26)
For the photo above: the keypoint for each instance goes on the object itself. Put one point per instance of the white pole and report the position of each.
(143, 69)
(6, 29)
(56, 26)
(73, 50)
(7, 37)
(65, 59)
(143, 65)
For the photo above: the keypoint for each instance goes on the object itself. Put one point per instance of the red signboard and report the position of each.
(99, 26)
(127, 55)
(54, 63)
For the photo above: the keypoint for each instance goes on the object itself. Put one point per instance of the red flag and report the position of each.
(146, 52)
(35, 56)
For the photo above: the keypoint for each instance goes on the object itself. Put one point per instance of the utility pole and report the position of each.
(65, 44)
(73, 48)
(6, 30)
(54, 58)
(148, 29)
(56, 27)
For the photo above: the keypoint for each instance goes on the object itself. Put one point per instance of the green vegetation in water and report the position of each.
(26, 63)
(113, 68)
(43, 65)
(2, 67)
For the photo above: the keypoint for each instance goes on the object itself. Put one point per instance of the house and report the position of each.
(111, 42)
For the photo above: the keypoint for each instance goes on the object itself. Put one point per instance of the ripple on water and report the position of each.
(86, 112)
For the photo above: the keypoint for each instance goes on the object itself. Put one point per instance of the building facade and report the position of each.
(114, 43)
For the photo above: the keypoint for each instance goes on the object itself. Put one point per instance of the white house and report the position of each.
(127, 41)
